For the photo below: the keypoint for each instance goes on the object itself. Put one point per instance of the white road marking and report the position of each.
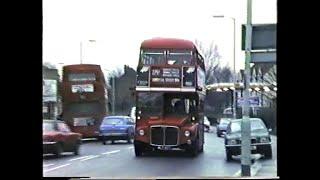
(47, 170)
(82, 157)
(46, 165)
(91, 157)
(110, 152)
(130, 147)
(237, 174)
(253, 169)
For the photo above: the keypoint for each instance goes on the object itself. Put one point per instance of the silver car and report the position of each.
(222, 126)
(260, 139)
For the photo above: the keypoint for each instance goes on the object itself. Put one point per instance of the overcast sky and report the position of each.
(120, 26)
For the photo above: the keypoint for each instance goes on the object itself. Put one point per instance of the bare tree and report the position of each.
(270, 78)
(49, 65)
(214, 72)
(269, 74)
(116, 73)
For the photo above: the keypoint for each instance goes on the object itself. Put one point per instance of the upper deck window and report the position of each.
(152, 57)
(179, 57)
(82, 77)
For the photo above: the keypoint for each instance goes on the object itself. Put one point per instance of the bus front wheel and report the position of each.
(138, 150)
(194, 149)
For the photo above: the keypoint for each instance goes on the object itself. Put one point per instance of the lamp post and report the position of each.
(234, 64)
(81, 58)
(245, 123)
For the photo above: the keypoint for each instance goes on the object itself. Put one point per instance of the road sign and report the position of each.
(264, 36)
(253, 101)
(263, 57)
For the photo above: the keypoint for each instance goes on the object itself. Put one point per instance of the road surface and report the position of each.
(118, 161)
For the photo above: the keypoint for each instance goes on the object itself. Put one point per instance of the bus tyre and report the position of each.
(194, 149)
(137, 150)
(201, 148)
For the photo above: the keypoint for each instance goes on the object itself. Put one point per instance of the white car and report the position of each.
(206, 124)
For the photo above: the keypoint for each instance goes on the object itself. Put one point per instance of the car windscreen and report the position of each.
(224, 121)
(46, 127)
(110, 121)
(255, 125)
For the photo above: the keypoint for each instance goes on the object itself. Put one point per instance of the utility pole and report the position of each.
(113, 95)
(80, 52)
(234, 109)
(246, 125)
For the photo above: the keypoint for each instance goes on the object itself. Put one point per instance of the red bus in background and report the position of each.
(84, 98)
(170, 93)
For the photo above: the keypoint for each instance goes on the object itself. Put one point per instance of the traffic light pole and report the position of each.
(245, 125)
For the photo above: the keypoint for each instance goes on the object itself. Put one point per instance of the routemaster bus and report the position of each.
(84, 98)
(170, 93)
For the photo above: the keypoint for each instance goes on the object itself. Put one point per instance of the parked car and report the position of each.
(58, 138)
(227, 111)
(117, 128)
(222, 126)
(260, 139)
(206, 124)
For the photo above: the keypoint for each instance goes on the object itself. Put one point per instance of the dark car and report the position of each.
(117, 128)
(260, 139)
(222, 126)
(58, 138)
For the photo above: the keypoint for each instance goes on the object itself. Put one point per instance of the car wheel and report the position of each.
(58, 150)
(228, 155)
(103, 139)
(268, 153)
(129, 139)
(218, 134)
(76, 148)
(112, 141)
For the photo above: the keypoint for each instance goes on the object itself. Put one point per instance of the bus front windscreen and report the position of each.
(179, 57)
(85, 108)
(150, 103)
(153, 57)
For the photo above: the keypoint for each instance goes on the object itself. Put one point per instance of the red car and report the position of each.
(58, 138)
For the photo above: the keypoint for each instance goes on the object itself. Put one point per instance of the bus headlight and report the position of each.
(187, 133)
(141, 132)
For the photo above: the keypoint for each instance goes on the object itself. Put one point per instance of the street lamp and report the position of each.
(234, 61)
(81, 58)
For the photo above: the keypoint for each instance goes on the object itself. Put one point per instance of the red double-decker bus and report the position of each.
(84, 98)
(170, 93)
